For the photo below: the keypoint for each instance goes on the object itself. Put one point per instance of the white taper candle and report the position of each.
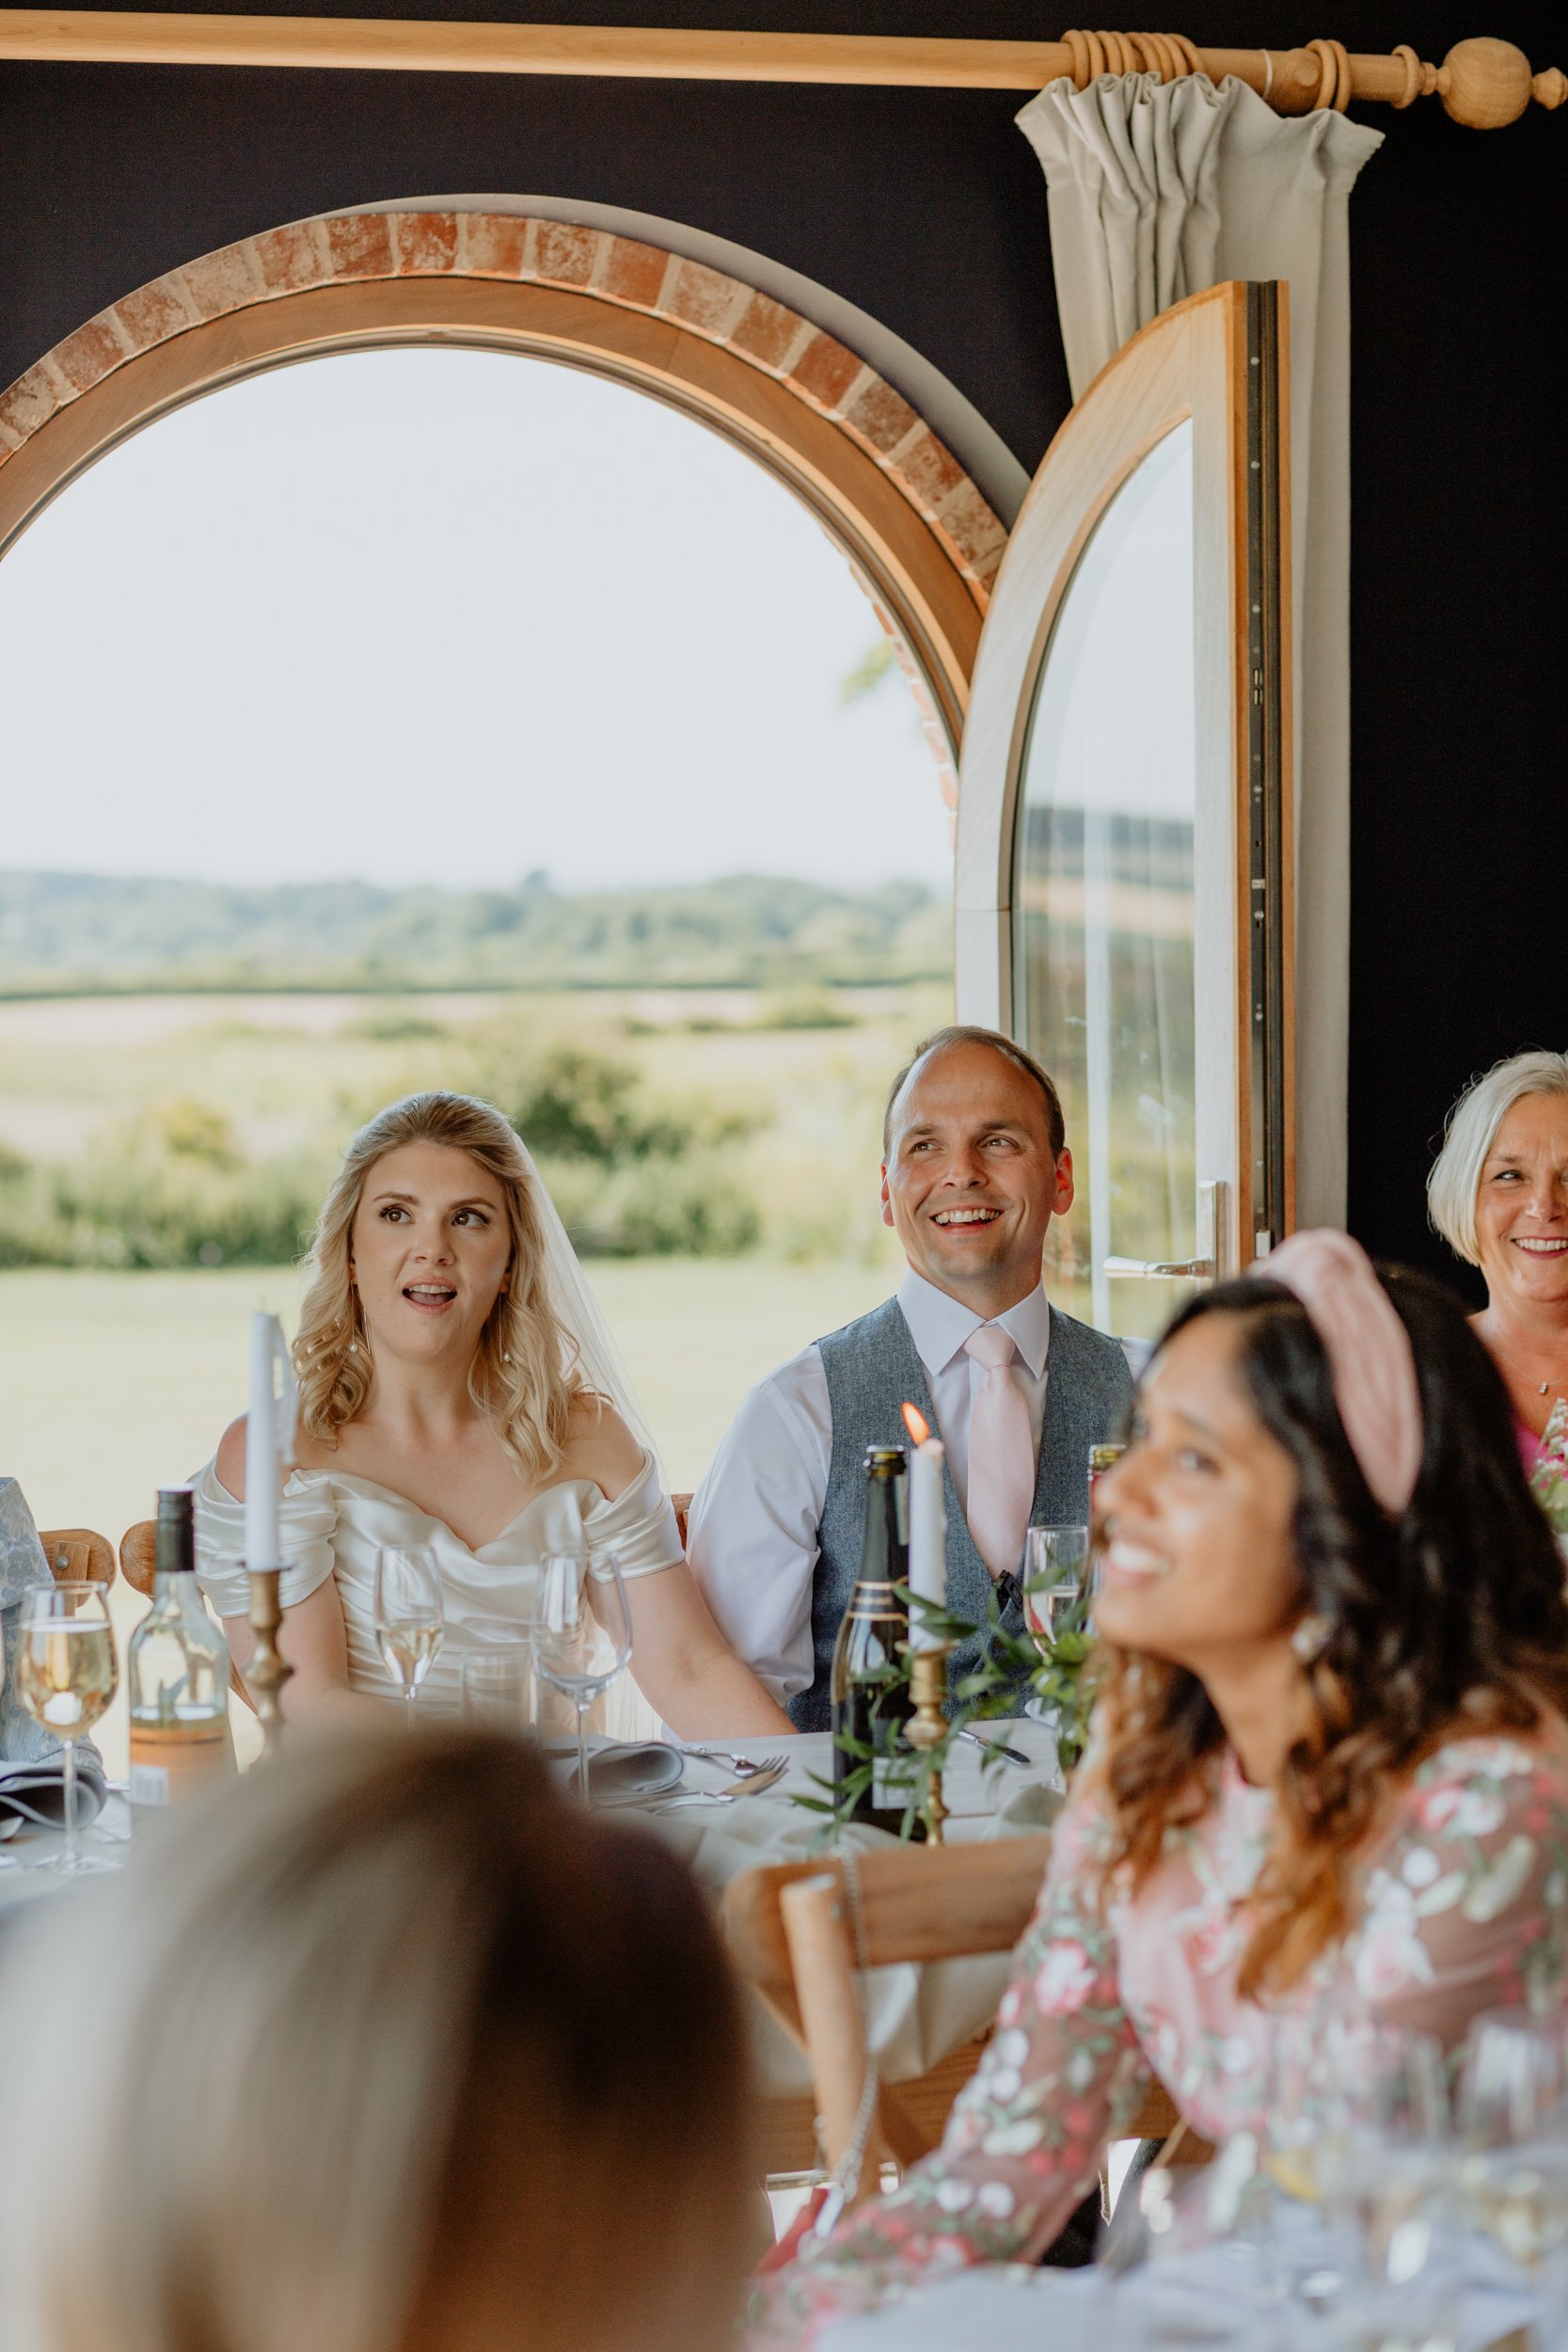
(269, 1440)
(927, 1540)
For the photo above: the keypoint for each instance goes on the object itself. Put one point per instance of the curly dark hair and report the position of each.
(1446, 1621)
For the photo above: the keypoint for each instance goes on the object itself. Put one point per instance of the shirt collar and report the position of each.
(940, 1324)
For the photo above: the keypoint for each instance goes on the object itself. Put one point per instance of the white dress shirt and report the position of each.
(752, 1540)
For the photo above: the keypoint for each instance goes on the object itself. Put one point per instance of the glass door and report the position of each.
(1124, 810)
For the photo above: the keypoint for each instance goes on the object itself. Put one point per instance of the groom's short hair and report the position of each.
(964, 1033)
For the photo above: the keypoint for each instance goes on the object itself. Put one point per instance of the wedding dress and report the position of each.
(332, 1523)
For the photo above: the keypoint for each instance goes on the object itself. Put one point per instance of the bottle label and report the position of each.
(172, 1763)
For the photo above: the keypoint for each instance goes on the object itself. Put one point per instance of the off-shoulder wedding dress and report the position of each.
(331, 1522)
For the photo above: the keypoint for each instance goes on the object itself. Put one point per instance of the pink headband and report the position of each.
(1370, 1355)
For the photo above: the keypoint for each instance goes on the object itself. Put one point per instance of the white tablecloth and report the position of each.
(1206, 2300)
(914, 2015)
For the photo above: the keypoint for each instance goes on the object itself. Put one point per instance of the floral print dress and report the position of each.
(1464, 1901)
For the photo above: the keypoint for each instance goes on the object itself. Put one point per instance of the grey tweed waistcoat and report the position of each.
(872, 1368)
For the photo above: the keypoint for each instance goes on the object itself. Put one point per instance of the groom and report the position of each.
(975, 1166)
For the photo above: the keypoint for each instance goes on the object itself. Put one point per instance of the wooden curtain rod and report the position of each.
(1482, 82)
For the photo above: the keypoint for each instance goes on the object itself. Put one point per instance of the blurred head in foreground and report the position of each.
(389, 2052)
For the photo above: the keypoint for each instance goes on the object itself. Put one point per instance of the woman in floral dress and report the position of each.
(1329, 1769)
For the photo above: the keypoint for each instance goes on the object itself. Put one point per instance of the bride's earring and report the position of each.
(1309, 1638)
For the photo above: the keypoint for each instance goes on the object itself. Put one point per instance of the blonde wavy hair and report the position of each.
(524, 1376)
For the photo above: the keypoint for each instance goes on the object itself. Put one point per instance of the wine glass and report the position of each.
(1396, 2173)
(498, 1688)
(581, 1633)
(1055, 1560)
(410, 1619)
(66, 1674)
(1514, 2127)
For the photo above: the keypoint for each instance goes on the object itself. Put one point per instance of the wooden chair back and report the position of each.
(790, 1934)
(137, 1549)
(78, 1555)
(138, 1565)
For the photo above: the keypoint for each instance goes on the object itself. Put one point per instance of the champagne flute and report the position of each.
(409, 1618)
(1055, 1560)
(66, 1674)
(581, 1633)
(1514, 2125)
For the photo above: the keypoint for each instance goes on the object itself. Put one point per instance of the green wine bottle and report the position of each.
(868, 1688)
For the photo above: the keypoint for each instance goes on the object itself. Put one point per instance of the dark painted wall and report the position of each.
(927, 208)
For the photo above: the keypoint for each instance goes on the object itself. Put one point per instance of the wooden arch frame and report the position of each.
(849, 444)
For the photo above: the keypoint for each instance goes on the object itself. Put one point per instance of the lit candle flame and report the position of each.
(916, 1423)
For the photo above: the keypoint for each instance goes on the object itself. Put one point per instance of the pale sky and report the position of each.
(446, 616)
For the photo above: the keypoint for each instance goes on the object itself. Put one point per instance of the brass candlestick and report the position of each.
(928, 1726)
(268, 1669)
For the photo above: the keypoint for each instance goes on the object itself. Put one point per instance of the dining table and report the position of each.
(915, 2015)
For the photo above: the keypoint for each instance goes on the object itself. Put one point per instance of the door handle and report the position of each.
(1212, 1243)
(1156, 1270)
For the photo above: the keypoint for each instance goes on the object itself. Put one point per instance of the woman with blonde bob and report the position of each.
(1498, 1195)
(459, 1394)
(398, 2053)
(1328, 1766)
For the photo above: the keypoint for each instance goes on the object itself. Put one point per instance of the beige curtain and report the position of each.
(1155, 191)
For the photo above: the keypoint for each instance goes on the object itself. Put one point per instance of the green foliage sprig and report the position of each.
(1008, 1666)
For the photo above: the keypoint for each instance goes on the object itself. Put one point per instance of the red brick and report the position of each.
(880, 416)
(425, 243)
(220, 281)
(495, 245)
(290, 258)
(633, 272)
(153, 313)
(973, 530)
(89, 355)
(766, 331)
(702, 297)
(30, 401)
(564, 253)
(825, 370)
(928, 472)
(360, 246)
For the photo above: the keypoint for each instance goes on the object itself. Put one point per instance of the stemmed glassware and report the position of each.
(1514, 2131)
(1054, 1563)
(581, 1633)
(409, 1617)
(66, 1674)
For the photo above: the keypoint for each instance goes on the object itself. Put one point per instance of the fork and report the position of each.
(744, 1766)
(751, 1785)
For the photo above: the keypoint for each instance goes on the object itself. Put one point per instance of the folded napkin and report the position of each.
(35, 1792)
(619, 1771)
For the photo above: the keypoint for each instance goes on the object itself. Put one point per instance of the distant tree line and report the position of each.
(61, 932)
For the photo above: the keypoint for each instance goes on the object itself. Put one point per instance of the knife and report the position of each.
(996, 1747)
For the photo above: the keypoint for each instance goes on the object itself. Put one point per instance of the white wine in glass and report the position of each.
(66, 1674)
(409, 1616)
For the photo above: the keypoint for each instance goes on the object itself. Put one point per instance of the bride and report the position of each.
(459, 1392)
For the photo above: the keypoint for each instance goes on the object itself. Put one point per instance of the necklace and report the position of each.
(1546, 1385)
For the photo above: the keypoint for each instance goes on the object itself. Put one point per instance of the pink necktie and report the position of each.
(1001, 1455)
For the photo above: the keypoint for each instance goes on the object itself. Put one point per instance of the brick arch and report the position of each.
(924, 538)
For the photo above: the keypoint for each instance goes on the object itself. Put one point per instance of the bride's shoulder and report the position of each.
(600, 1446)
